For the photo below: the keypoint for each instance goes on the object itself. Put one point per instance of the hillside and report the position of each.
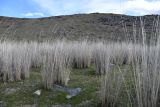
(78, 26)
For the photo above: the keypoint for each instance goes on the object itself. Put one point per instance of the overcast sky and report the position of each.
(44, 8)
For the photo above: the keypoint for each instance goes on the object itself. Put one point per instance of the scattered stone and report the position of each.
(38, 92)
(71, 91)
(68, 96)
(11, 90)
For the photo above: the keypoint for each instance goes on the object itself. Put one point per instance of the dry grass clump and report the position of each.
(15, 61)
(121, 53)
(146, 70)
(111, 89)
(101, 57)
(36, 51)
(81, 54)
(142, 79)
(147, 77)
(56, 64)
(108, 55)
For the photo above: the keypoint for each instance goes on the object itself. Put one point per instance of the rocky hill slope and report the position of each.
(78, 26)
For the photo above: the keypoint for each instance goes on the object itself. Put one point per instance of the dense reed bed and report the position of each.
(135, 75)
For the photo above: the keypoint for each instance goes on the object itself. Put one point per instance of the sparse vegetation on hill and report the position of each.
(112, 27)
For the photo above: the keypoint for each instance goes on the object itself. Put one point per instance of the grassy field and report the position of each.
(23, 95)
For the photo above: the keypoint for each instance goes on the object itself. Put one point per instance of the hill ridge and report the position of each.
(105, 26)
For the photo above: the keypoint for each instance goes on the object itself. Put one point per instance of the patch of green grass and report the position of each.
(18, 98)
(88, 82)
(85, 71)
(82, 78)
